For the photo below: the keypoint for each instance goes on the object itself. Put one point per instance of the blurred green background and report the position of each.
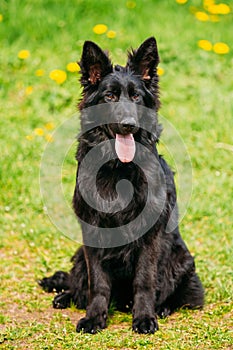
(39, 89)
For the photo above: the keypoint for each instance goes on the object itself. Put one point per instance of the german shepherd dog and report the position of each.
(152, 271)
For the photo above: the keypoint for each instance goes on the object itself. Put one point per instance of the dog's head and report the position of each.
(131, 86)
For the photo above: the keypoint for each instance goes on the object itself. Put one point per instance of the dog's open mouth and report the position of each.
(125, 147)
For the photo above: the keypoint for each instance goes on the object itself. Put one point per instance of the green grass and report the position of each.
(196, 95)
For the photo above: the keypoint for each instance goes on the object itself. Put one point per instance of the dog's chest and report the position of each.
(122, 183)
(121, 261)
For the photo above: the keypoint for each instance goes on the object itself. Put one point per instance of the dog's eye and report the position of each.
(135, 97)
(110, 97)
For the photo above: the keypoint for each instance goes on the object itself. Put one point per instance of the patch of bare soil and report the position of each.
(21, 316)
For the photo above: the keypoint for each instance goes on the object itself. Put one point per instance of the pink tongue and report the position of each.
(125, 147)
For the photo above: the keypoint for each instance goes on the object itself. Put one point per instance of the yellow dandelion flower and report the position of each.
(207, 3)
(40, 72)
(49, 138)
(219, 9)
(100, 29)
(39, 132)
(73, 67)
(111, 34)
(58, 75)
(23, 54)
(29, 137)
(131, 4)
(205, 45)
(49, 126)
(223, 9)
(1, 17)
(29, 90)
(202, 16)
(181, 1)
(160, 71)
(221, 48)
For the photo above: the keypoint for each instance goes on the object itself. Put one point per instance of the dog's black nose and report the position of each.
(128, 127)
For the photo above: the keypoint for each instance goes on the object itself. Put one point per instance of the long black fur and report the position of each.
(154, 274)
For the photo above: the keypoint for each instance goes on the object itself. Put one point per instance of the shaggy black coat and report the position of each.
(154, 274)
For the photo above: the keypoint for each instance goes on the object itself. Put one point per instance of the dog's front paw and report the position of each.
(145, 325)
(91, 325)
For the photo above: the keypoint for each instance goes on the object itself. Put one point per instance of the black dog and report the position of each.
(144, 262)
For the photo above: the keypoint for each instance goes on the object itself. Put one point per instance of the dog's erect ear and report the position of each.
(94, 64)
(145, 59)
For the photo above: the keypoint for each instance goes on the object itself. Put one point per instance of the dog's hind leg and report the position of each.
(57, 282)
(189, 294)
(62, 300)
(71, 287)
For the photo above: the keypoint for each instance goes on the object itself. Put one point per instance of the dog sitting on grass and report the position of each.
(152, 273)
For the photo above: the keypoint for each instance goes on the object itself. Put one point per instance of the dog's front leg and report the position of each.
(99, 290)
(144, 318)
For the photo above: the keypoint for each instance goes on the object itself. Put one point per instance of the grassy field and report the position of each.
(195, 44)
